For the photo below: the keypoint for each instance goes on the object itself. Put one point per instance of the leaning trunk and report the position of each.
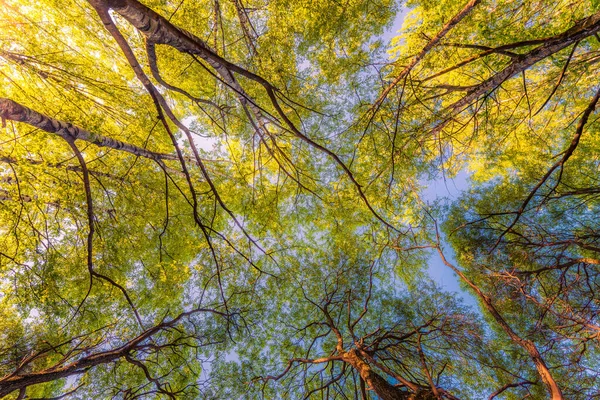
(376, 382)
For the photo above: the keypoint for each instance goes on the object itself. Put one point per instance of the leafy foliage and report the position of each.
(225, 199)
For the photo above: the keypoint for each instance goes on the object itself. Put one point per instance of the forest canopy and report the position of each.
(231, 199)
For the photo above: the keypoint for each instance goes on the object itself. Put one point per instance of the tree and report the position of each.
(184, 181)
(344, 336)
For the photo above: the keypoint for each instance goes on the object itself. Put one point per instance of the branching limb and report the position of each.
(14, 111)
(558, 165)
(90, 237)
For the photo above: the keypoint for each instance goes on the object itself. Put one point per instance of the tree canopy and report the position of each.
(228, 199)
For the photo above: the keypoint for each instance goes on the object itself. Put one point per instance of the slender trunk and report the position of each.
(582, 29)
(159, 30)
(18, 380)
(249, 32)
(527, 345)
(13, 111)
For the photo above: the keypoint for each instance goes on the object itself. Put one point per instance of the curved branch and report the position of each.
(16, 382)
(151, 54)
(159, 30)
(558, 165)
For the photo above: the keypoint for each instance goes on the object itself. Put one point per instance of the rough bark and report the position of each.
(581, 30)
(19, 381)
(384, 389)
(249, 33)
(13, 111)
(159, 30)
(16, 381)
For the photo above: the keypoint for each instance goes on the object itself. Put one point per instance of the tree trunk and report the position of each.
(13, 111)
(384, 389)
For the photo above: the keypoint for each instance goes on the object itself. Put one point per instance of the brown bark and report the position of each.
(508, 386)
(582, 29)
(20, 381)
(159, 30)
(377, 383)
(430, 45)
(530, 347)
